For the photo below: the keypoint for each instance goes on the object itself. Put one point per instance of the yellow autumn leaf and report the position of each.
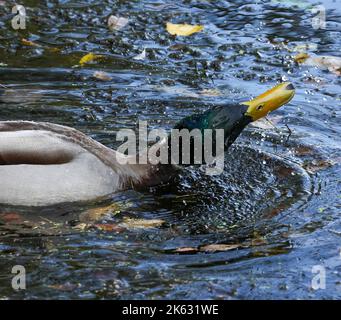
(29, 43)
(89, 58)
(183, 29)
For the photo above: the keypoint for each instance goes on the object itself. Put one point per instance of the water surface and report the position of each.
(278, 201)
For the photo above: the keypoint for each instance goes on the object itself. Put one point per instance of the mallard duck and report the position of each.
(44, 164)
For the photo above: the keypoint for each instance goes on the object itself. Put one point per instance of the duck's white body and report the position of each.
(44, 164)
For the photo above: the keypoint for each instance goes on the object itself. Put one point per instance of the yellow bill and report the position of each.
(270, 100)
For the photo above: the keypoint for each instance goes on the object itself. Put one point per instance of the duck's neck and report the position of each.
(228, 118)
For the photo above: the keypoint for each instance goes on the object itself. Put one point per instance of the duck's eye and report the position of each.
(260, 107)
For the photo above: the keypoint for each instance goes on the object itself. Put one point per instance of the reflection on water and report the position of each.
(274, 211)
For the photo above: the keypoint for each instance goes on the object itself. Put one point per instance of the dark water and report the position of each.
(278, 200)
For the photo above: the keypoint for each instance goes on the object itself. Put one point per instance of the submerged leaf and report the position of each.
(183, 29)
(117, 23)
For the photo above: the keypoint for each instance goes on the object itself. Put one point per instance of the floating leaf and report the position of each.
(10, 217)
(110, 227)
(29, 43)
(96, 214)
(141, 56)
(64, 287)
(90, 57)
(317, 165)
(303, 150)
(304, 47)
(54, 49)
(186, 250)
(141, 223)
(117, 23)
(330, 63)
(183, 29)
(211, 92)
(20, 95)
(81, 226)
(37, 45)
(219, 247)
(101, 75)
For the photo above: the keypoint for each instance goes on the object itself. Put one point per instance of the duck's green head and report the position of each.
(233, 118)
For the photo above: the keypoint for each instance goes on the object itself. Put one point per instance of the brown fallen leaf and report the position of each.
(20, 96)
(96, 214)
(101, 75)
(129, 223)
(303, 150)
(219, 247)
(211, 92)
(110, 227)
(54, 49)
(178, 46)
(317, 165)
(117, 23)
(10, 217)
(37, 45)
(64, 287)
(81, 226)
(186, 250)
(183, 29)
(258, 239)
